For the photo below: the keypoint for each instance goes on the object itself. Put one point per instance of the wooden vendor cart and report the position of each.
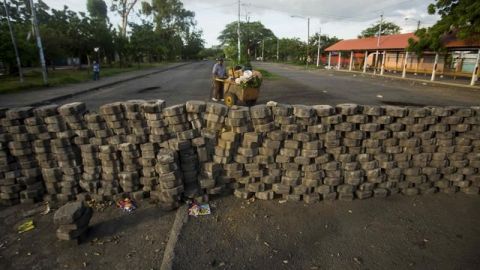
(237, 94)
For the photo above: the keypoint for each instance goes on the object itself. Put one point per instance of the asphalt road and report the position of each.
(178, 85)
(422, 232)
(290, 84)
(398, 232)
(296, 85)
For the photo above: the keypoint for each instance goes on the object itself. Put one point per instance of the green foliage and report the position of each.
(388, 28)
(211, 53)
(252, 34)
(254, 82)
(97, 9)
(291, 49)
(458, 18)
(168, 33)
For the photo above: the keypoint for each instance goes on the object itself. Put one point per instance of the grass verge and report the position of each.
(33, 79)
(268, 75)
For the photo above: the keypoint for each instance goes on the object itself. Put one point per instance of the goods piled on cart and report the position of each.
(242, 86)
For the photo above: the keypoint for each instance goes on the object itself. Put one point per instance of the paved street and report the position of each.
(290, 85)
(332, 87)
(399, 232)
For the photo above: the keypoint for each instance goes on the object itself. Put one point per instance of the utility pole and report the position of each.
(263, 50)
(308, 38)
(378, 43)
(278, 49)
(380, 30)
(14, 42)
(308, 33)
(418, 25)
(238, 34)
(39, 43)
(319, 45)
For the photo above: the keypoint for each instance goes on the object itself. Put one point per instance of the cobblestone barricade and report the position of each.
(142, 148)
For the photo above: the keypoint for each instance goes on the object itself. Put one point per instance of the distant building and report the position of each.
(388, 54)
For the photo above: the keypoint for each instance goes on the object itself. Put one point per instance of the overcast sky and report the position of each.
(342, 18)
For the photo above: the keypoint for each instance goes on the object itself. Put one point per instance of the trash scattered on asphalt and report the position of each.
(99, 206)
(44, 209)
(127, 205)
(282, 201)
(358, 260)
(379, 96)
(199, 209)
(26, 226)
(47, 209)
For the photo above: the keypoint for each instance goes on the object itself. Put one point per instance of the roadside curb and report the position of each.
(58, 98)
(181, 218)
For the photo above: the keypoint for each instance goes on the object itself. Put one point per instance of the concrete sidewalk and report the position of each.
(50, 95)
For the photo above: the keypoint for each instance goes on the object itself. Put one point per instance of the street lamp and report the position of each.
(308, 32)
(319, 46)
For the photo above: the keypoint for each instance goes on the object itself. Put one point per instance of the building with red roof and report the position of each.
(389, 54)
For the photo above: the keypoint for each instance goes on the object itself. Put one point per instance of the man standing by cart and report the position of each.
(219, 73)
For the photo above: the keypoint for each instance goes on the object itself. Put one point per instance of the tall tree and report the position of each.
(252, 35)
(325, 41)
(291, 49)
(388, 28)
(123, 8)
(173, 23)
(458, 18)
(97, 9)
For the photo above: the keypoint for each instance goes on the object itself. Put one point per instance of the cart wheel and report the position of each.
(230, 99)
(250, 102)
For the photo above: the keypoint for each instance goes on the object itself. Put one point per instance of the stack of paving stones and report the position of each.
(214, 117)
(257, 154)
(109, 154)
(158, 133)
(72, 220)
(9, 189)
(195, 115)
(168, 191)
(28, 187)
(50, 171)
(129, 177)
(110, 159)
(32, 177)
(472, 138)
(92, 165)
(304, 165)
(236, 124)
(181, 134)
(137, 133)
(66, 149)
(218, 150)
(197, 149)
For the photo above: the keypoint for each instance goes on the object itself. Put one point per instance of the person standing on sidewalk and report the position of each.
(219, 72)
(96, 71)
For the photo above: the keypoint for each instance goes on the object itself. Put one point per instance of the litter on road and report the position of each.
(196, 209)
(26, 226)
(127, 205)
